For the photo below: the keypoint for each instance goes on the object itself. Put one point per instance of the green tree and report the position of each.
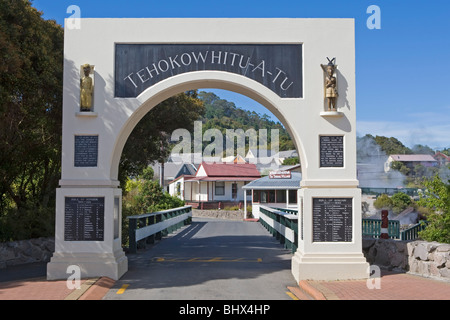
(152, 134)
(291, 161)
(400, 201)
(222, 114)
(446, 151)
(143, 195)
(383, 202)
(436, 198)
(31, 55)
(392, 145)
(419, 170)
(400, 166)
(421, 149)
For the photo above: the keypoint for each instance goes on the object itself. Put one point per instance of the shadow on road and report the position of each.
(208, 251)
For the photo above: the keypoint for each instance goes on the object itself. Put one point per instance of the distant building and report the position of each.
(260, 157)
(411, 160)
(172, 171)
(215, 184)
(265, 156)
(283, 155)
(234, 159)
(442, 159)
(278, 189)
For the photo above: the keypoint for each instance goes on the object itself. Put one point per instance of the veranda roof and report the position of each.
(266, 183)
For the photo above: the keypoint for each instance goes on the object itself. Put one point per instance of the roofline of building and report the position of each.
(207, 178)
(246, 187)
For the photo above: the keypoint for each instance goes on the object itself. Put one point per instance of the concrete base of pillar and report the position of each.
(330, 266)
(111, 265)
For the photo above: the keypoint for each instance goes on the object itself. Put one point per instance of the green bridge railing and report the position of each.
(390, 191)
(370, 227)
(291, 211)
(412, 233)
(282, 225)
(153, 226)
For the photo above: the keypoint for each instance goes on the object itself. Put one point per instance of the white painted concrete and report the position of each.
(304, 118)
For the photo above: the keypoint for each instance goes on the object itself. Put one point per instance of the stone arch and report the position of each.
(329, 177)
(196, 80)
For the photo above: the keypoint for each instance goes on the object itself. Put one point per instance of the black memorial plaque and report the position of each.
(332, 219)
(331, 151)
(279, 67)
(84, 219)
(86, 151)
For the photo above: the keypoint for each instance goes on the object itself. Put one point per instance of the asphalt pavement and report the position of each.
(210, 260)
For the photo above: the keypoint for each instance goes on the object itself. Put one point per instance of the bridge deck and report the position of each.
(210, 259)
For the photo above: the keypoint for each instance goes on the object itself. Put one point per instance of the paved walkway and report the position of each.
(41, 289)
(393, 286)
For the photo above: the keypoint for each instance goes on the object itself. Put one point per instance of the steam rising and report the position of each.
(371, 160)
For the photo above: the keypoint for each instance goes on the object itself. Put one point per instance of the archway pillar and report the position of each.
(94, 249)
(329, 246)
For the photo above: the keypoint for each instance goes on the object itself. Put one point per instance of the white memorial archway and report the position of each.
(137, 63)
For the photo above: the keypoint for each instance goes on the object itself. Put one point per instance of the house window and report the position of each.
(292, 196)
(281, 196)
(234, 190)
(256, 196)
(263, 197)
(219, 188)
(271, 197)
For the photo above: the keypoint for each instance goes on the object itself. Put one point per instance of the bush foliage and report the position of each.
(144, 195)
(397, 203)
(437, 199)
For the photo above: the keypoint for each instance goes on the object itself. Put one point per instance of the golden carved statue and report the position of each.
(331, 92)
(86, 89)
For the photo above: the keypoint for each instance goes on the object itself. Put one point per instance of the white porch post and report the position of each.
(245, 204)
(287, 198)
(199, 190)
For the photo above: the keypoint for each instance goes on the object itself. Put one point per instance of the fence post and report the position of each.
(158, 218)
(384, 225)
(132, 235)
(151, 221)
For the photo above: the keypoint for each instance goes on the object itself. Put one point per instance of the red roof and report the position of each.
(185, 176)
(441, 155)
(229, 170)
(234, 179)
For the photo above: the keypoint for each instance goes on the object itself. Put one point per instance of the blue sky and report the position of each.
(402, 69)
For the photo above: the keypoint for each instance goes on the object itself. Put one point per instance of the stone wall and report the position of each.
(428, 259)
(26, 251)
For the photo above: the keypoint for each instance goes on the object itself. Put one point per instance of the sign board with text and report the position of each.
(279, 67)
(332, 219)
(84, 219)
(280, 175)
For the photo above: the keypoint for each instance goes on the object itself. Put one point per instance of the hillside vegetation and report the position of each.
(222, 114)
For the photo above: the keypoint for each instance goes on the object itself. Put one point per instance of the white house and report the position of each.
(411, 160)
(215, 184)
